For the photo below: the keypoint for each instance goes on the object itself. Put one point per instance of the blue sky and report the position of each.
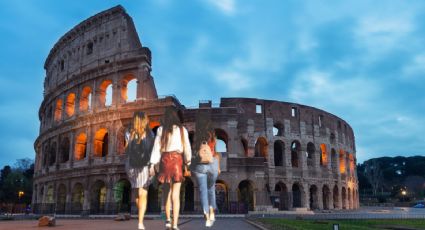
(361, 60)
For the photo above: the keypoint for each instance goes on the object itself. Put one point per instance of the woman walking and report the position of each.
(138, 150)
(172, 150)
(206, 168)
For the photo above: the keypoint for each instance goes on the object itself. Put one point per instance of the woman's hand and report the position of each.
(151, 170)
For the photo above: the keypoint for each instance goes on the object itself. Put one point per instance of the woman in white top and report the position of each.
(171, 148)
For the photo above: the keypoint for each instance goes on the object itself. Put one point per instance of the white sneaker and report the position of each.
(168, 224)
(208, 223)
(141, 226)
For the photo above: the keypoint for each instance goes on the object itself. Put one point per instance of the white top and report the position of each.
(174, 144)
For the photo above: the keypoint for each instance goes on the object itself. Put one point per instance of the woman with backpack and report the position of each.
(138, 150)
(206, 165)
(171, 150)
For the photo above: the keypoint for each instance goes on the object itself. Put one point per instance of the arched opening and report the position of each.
(279, 148)
(64, 152)
(261, 146)
(98, 197)
(221, 196)
(58, 110)
(46, 156)
(61, 199)
(244, 143)
(334, 161)
(49, 195)
(187, 194)
(311, 156)
(70, 105)
(296, 196)
(105, 93)
(246, 196)
(52, 154)
(77, 198)
(282, 201)
(122, 195)
(129, 89)
(352, 163)
(154, 199)
(222, 140)
(343, 198)
(350, 203)
(323, 155)
(85, 100)
(341, 161)
(295, 151)
(278, 129)
(336, 197)
(314, 198)
(101, 143)
(80, 147)
(326, 197)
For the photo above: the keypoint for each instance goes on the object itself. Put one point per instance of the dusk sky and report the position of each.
(363, 61)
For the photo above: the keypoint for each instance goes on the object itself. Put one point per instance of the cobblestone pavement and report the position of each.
(82, 224)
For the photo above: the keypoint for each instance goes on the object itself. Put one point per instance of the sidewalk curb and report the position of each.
(256, 225)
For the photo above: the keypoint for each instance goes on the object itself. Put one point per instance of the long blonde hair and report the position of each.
(139, 126)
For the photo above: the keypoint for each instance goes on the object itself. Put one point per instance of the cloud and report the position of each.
(226, 6)
(415, 68)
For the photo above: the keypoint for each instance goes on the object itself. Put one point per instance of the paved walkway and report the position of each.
(83, 224)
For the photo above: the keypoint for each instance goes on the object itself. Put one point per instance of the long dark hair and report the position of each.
(204, 130)
(171, 117)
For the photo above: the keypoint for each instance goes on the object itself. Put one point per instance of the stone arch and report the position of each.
(105, 93)
(61, 199)
(342, 161)
(336, 197)
(80, 147)
(129, 85)
(343, 198)
(58, 110)
(86, 99)
(222, 140)
(311, 154)
(246, 195)
(261, 147)
(334, 158)
(187, 194)
(77, 198)
(278, 129)
(244, 144)
(326, 195)
(52, 153)
(101, 142)
(222, 196)
(50, 198)
(70, 105)
(122, 195)
(323, 155)
(295, 153)
(350, 201)
(279, 153)
(298, 198)
(121, 140)
(283, 197)
(98, 197)
(64, 150)
(314, 197)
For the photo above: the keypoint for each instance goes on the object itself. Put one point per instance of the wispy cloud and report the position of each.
(226, 6)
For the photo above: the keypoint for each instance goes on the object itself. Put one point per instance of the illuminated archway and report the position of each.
(261, 146)
(129, 89)
(105, 93)
(70, 105)
(324, 155)
(80, 147)
(342, 161)
(85, 99)
(101, 140)
(58, 110)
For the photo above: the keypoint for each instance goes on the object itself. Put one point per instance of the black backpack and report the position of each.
(139, 154)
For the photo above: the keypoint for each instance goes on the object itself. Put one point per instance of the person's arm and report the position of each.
(187, 148)
(156, 150)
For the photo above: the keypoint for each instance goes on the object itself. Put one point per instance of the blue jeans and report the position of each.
(206, 175)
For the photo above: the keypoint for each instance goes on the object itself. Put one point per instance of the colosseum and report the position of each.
(275, 155)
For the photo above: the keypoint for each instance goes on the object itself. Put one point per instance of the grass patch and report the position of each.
(290, 224)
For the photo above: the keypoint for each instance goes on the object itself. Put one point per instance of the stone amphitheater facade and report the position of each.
(275, 155)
